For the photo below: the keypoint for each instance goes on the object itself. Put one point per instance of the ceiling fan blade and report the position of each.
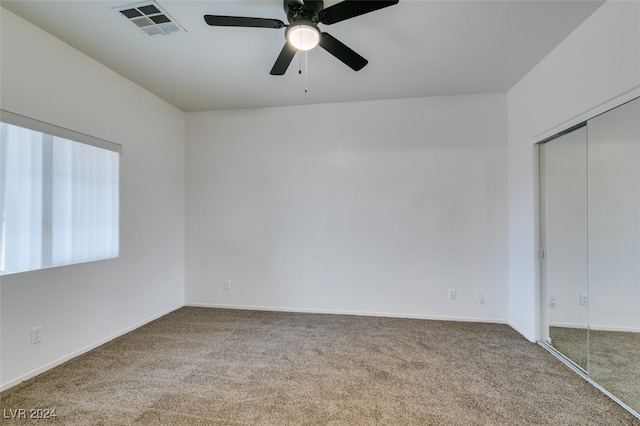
(239, 21)
(351, 8)
(342, 52)
(284, 59)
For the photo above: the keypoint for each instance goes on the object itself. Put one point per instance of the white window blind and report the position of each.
(59, 196)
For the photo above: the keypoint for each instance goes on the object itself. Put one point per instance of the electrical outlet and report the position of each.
(452, 294)
(584, 299)
(553, 299)
(480, 296)
(227, 284)
(36, 335)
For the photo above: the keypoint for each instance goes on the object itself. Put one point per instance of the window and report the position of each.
(59, 196)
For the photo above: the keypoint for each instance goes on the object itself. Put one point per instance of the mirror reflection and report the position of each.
(590, 234)
(565, 199)
(614, 251)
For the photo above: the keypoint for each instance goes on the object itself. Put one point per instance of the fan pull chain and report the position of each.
(300, 58)
(306, 72)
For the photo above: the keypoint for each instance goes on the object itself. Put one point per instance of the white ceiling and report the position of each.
(415, 48)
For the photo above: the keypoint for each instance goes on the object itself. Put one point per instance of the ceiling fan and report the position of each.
(303, 33)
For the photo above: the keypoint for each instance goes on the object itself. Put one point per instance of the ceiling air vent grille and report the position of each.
(150, 18)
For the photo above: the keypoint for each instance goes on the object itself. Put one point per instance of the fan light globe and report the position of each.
(303, 36)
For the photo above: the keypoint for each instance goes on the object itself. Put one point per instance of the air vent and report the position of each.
(150, 18)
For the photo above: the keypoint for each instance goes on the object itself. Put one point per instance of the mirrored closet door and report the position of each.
(590, 239)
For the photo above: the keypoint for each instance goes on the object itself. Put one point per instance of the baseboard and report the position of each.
(610, 328)
(344, 312)
(568, 325)
(597, 327)
(40, 370)
(524, 334)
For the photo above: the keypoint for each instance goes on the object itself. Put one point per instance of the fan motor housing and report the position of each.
(307, 11)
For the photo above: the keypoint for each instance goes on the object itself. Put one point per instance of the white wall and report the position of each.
(597, 63)
(80, 306)
(368, 207)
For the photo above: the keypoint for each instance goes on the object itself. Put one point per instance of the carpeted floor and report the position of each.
(572, 342)
(614, 358)
(199, 366)
(614, 362)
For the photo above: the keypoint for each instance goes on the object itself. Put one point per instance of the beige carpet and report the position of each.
(199, 366)
(572, 342)
(614, 358)
(614, 362)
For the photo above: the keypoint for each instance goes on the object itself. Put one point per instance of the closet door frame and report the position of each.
(539, 228)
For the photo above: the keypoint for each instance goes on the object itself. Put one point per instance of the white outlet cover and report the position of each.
(36, 335)
(584, 300)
